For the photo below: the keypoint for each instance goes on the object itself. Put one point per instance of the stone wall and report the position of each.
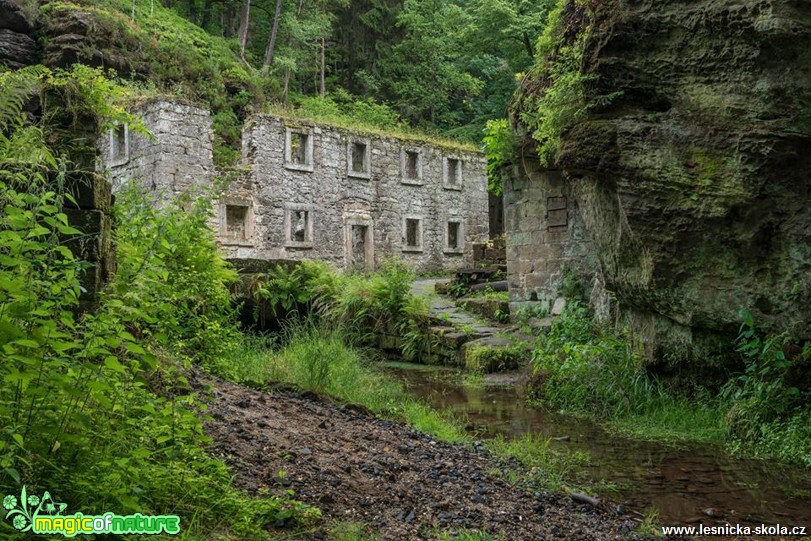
(177, 158)
(546, 241)
(305, 191)
(352, 198)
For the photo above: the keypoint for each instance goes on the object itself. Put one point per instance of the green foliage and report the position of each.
(442, 66)
(555, 95)
(317, 357)
(308, 287)
(571, 286)
(350, 531)
(88, 411)
(466, 535)
(176, 57)
(486, 359)
(341, 108)
(500, 151)
(563, 100)
(587, 367)
(765, 408)
(365, 115)
(172, 282)
(548, 467)
(363, 306)
(383, 303)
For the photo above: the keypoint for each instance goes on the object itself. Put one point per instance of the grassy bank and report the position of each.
(584, 367)
(320, 359)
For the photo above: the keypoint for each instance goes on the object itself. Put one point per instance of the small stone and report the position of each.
(713, 512)
(559, 306)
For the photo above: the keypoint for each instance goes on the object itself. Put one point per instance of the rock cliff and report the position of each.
(693, 183)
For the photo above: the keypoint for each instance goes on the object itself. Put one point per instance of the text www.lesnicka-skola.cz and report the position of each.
(735, 529)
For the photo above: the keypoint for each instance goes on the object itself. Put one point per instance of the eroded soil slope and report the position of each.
(401, 483)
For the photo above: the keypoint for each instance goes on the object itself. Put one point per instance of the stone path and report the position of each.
(459, 330)
(443, 309)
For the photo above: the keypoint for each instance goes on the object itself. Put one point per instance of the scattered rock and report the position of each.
(559, 306)
(387, 475)
(713, 512)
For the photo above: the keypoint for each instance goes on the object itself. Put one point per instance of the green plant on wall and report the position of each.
(555, 93)
(500, 150)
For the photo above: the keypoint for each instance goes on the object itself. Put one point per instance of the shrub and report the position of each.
(171, 279)
(588, 367)
(763, 408)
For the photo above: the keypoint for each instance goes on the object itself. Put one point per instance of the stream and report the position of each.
(686, 484)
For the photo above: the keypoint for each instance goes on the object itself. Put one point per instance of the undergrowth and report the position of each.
(364, 306)
(586, 367)
(546, 466)
(341, 110)
(318, 358)
(95, 407)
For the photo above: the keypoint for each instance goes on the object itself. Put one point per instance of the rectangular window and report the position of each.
(359, 158)
(413, 234)
(298, 150)
(236, 222)
(452, 174)
(453, 235)
(299, 226)
(411, 164)
(120, 141)
(358, 254)
(119, 144)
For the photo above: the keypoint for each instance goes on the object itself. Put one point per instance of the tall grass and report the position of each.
(318, 357)
(584, 367)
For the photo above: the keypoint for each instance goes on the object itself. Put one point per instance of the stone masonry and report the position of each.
(545, 237)
(308, 191)
(177, 158)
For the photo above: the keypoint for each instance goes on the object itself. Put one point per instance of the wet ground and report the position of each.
(400, 483)
(698, 483)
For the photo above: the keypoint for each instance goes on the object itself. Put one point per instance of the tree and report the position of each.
(244, 20)
(271, 48)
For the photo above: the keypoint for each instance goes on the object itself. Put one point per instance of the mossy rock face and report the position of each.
(694, 182)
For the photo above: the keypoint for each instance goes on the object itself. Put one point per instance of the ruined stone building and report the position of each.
(309, 191)
(547, 244)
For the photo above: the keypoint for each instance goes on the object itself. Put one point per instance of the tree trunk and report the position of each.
(323, 56)
(272, 41)
(206, 18)
(528, 45)
(243, 27)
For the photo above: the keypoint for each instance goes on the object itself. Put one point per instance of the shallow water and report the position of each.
(680, 482)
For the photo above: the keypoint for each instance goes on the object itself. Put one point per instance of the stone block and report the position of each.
(559, 307)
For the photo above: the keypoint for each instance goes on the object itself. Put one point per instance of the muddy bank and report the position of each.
(401, 483)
